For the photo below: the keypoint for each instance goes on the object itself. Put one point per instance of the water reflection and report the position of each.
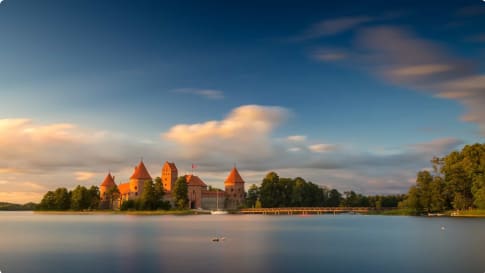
(254, 243)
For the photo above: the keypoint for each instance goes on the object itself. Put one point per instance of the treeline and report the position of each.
(456, 182)
(80, 198)
(12, 206)
(296, 192)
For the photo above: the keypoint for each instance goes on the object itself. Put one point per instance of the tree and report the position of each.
(253, 195)
(423, 181)
(159, 193)
(148, 198)
(270, 192)
(437, 199)
(48, 201)
(479, 198)
(62, 199)
(180, 192)
(79, 198)
(112, 194)
(334, 198)
(93, 197)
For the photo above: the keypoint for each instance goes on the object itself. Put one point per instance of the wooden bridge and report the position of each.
(309, 210)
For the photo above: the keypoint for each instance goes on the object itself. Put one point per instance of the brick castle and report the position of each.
(198, 194)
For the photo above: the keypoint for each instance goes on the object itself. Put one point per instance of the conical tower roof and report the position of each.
(234, 177)
(109, 181)
(141, 172)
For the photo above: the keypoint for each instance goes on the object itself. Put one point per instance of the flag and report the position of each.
(194, 166)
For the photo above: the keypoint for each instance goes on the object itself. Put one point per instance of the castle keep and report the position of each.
(198, 194)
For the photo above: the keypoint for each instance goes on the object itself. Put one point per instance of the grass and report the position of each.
(472, 213)
(394, 212)
(128, 212)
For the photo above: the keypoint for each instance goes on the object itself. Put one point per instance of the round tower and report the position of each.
(138, 178)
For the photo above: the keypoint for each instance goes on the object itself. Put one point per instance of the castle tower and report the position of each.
(169, 175)
(234, 189)
(138, 178)
(108, 183)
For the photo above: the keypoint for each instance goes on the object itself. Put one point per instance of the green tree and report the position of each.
(48, 201)
(479, 198)
(148, 198)
(423, 182)
(62, 199)
(334, 198)
(180, 192)
(270, 192)
(93, 197)
(437, 198)
(112, 194)
(159, 193)
(253, 195)
(79, 198)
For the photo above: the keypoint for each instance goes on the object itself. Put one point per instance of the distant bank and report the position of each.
(5, 206)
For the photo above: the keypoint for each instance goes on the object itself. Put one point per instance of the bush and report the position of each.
(128, 205)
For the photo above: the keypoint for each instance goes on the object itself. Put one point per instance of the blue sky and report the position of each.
(372, 90)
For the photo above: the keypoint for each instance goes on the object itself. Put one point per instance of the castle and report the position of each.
(198, 194)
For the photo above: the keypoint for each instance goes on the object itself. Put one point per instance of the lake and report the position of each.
(253, 243)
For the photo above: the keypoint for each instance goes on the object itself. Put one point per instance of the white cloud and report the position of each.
(322, 148)
(245, 133)
(296, 138)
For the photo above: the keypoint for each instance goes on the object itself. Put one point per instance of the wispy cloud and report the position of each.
(83, 176)
(322, 148)
(207, 93)
(332, 27)
(399, 56)
(329, 55)
(296, 138)
(405, 59)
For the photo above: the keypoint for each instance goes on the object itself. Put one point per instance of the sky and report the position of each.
(352, 95)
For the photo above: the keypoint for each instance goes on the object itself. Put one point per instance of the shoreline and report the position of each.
(467, 214)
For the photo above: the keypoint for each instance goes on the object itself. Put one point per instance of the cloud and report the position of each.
(296, 138)
(437, 147)
(39, 157)
(329, 55)
(400, 57)
(28, 147)
(207, 93)
(322, 148)
(332, 27)
(245, 133)
(83, 176)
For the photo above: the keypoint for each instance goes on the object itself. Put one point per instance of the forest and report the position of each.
(456, 182)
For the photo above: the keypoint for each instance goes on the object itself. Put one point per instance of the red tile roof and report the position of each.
(108, 181)
(141, 172)
(193, 180)
(124, 188)
(234, 177)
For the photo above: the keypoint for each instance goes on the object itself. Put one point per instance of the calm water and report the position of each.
(254, 243)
